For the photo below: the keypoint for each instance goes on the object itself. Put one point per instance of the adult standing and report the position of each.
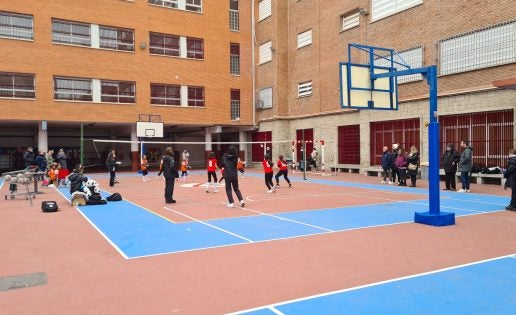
(28, 157)
(413, 159)
(169, 169)
(465, 165)
(395, 153)
(510, 175)
(61, 159)
(111, 164)
(451, 159)
(49, 157)
(229, 163)
(314, 155)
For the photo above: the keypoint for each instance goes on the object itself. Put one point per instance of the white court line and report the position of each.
(275, 311)
(285, 219)
(368, 285)
(2, 183)
(212, 226)
(96, 228)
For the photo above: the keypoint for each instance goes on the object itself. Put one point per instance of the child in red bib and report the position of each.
(267, 169)
(212, 168)
(283, 170)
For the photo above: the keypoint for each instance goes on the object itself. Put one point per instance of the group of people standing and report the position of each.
(54, 169)
(400, 164)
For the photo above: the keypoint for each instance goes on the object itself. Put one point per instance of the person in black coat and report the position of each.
(229, 163)
(76, 179)
(111, 167)
(28, 157)
(510, 175)
(169, 170)
(451, 159)
(413, 159)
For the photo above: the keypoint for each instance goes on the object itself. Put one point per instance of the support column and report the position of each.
(242, 147)
(42, 136)
(207, 146)
(135, 157)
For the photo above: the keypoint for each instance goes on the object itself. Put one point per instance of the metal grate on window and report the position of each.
(304, 39)
(235, 104)
(234, 59)
(13, 25)
(304, 89)
(412, 57)
(478, 49)
(350, 21)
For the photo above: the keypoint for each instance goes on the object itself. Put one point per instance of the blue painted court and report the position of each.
(137, 232)
(487, 287)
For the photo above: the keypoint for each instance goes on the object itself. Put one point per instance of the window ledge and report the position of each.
(17, 98)
(176, 9)
(304, 96)
(177, 57)
(342, 31)
(16, 38)
(178, 106)
(91, 102)
(106, 49)
(265, 62)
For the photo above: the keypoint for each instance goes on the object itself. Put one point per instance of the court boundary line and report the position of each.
(95, 227)
(2, 181)
(210, 225)
(369, 285)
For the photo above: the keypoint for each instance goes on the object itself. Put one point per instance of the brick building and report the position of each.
(300, 44)
(101, 63)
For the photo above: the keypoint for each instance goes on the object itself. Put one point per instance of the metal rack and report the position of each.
(25, 178)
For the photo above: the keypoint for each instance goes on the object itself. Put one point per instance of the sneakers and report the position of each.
(389, 182)
(230, 205)
(216, 190)
(277, 186)
(510, 208)
(383, 182)
(289, 185)
(463, 190)
(269, 191)
(242, 203)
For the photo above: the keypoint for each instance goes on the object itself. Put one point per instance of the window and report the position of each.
(17, 85)
(117, 91)
(478, 49)
(161, 44)
(165, 94)
(350, 21)
(165, 3)
(13, 25)
(304, 89)
(234, 59)
(74, 33)
(265, 98)
(412, 57)
(235, 104)
(73, 89)
(264, 9)
(233, 16)
(384, 8)
(265, 52)
(195, 96)
(194, 5)
(304, 39)
(116, 38)
(194, 48)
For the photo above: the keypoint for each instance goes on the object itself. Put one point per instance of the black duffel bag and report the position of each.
(49, 206)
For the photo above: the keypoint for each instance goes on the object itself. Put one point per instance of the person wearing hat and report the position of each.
(451, 159)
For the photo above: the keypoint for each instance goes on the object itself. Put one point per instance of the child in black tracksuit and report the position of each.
(510, 175)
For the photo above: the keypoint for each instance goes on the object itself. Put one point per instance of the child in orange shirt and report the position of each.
(53, 174)
(240, 167)
(184, 170)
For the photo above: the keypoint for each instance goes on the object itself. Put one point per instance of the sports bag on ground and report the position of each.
(49, 206)
(114, 197)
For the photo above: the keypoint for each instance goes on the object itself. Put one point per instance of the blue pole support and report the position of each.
(434, 216)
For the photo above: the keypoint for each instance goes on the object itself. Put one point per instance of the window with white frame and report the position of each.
(264, 9)
(234, 59)
(304, 89)
(17, 85)
(265, 97)
(235, 104)
(164, 44)
(350, 21)
(196, 96)
(304, 39)
(67, 32)
(165, 3)
(234, 23)
(73, 89)
(118, 91)
(165, 94)
(265, 52)
(478, 49)
(116, 38)
(194, 5)
(194, 48)
(14, 25)
(384, 8)
(412, 57)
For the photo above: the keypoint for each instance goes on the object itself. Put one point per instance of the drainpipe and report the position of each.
(253, 34)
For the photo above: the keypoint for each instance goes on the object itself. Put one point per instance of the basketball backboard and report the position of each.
(145, 129)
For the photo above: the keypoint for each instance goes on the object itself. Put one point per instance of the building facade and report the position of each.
(103, 63)
(301, 42)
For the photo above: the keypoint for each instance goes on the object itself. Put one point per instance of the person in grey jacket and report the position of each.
(465, 165)
(61, 159)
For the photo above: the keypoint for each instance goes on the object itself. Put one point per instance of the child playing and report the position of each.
(221, 174)
(144, 167)
(267, 169)
(240, 167)
(184, 170)
(53, 173)
(283, 170)
(212, 168)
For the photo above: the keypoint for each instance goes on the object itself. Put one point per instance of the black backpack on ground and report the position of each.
(114, 197)
(49, 206)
